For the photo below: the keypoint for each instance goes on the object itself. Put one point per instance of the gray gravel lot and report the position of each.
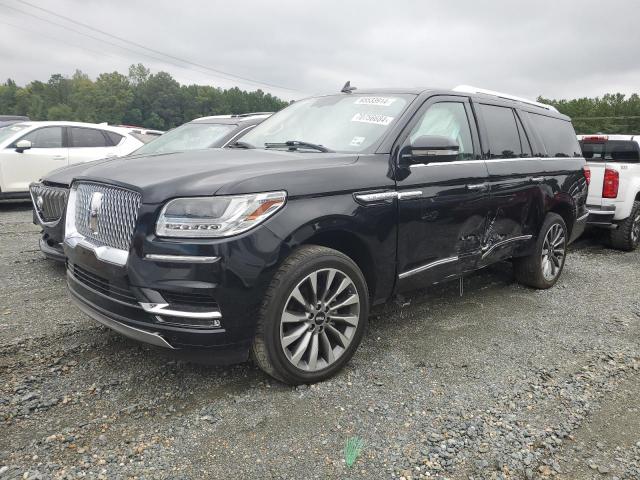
(504, 382)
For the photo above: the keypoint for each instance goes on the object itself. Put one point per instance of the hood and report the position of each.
(63, 176)
(223, 171)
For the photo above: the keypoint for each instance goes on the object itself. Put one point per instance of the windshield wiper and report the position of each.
(240, 144)
(296, 145)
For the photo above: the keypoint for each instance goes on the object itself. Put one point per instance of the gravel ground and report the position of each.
(503, 382)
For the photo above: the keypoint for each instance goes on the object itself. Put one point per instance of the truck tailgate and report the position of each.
(595, 186)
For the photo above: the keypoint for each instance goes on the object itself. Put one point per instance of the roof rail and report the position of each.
(470, 89)
(251, 114)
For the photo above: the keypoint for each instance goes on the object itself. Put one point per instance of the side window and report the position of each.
(114, 137)
(87, 137)
(502, 130)
(557, 135)
(447, 119)
(47, 137)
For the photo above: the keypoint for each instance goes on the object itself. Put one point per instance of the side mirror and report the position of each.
(430, 148)
(23, 145)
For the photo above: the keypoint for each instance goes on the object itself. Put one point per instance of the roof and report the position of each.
(102, 126)
(233, 119)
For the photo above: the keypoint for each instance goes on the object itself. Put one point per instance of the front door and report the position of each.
(443, 205)
(47, 153)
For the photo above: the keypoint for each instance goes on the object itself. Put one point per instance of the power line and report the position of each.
(131, 42)
(106, 41)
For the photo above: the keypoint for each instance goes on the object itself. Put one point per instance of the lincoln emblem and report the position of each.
(94, 211)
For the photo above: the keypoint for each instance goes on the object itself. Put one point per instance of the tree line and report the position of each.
(612, 113)
(157, 100)
(142, 98)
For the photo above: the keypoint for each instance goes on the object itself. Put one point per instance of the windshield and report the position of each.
(190, 136)
(10, 130)
(611, 151)
(342, 123)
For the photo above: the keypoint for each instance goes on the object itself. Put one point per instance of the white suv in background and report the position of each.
(614, 191)
(29, 150)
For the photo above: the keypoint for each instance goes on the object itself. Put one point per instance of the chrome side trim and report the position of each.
(73, 239)
(375, 197)
(505, 242)
(433, 153)
(161, 309)
(135, 333)
(602, 212)
(579, 219)
(427, 267)
(180, 258)
(491, 160)
(409, 194)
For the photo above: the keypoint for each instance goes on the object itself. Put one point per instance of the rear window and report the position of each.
(612, 151)
(557, 135)
(87, 138)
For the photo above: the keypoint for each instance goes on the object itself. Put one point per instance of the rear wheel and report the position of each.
(543, 267)
(313, 317)
(627, 235)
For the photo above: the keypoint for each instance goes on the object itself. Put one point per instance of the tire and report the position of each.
(326, 334)
(540, 270)
(627, 236)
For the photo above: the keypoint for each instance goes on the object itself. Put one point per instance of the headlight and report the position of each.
(217, 216)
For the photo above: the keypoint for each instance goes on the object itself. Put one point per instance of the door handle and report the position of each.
(59, 157)
(478, 186)
(111, 155)
(537, 179)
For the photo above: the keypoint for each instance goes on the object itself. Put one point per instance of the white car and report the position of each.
(29, 150)
(614, 189)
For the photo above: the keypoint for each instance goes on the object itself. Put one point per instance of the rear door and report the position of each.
(47, 153)
(86, 144)
(516, 183)
(442, 206)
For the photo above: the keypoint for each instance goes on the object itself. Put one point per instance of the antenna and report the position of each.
(348, 88)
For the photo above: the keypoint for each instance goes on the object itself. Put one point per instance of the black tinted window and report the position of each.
(87, 137)
(504, 141)
(114, 137)
(47, 137)
(612, 151)
(558, 136)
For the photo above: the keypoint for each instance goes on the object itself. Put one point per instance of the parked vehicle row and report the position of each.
(49, 195)
(278, 247)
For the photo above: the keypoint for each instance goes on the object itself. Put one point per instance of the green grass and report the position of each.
(352, 450)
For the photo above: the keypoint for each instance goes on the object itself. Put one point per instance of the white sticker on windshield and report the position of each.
(356, 141)
(372, 118)
(382, 101)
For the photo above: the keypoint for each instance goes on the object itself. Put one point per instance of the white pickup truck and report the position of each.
(614, 188)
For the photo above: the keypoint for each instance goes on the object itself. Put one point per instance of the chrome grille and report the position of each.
(48, 202)
(116, 218)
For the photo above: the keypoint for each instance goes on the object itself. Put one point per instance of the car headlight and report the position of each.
(223, 216)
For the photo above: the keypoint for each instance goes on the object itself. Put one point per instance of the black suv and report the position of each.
(49, 195)
(280, 246)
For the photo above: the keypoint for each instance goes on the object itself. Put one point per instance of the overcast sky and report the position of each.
(558, 49)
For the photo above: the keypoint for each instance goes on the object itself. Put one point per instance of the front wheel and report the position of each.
(313, 317)
(543, 267)
(627, 236)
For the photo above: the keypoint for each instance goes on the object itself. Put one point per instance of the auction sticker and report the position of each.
(382, 101)
(372, 118)
(356, 141)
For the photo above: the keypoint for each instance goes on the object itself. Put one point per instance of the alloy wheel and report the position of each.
(320, 319)
(553, 252)
(635, 229)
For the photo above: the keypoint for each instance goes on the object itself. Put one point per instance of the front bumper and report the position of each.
(51, 249)
(601, 216)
